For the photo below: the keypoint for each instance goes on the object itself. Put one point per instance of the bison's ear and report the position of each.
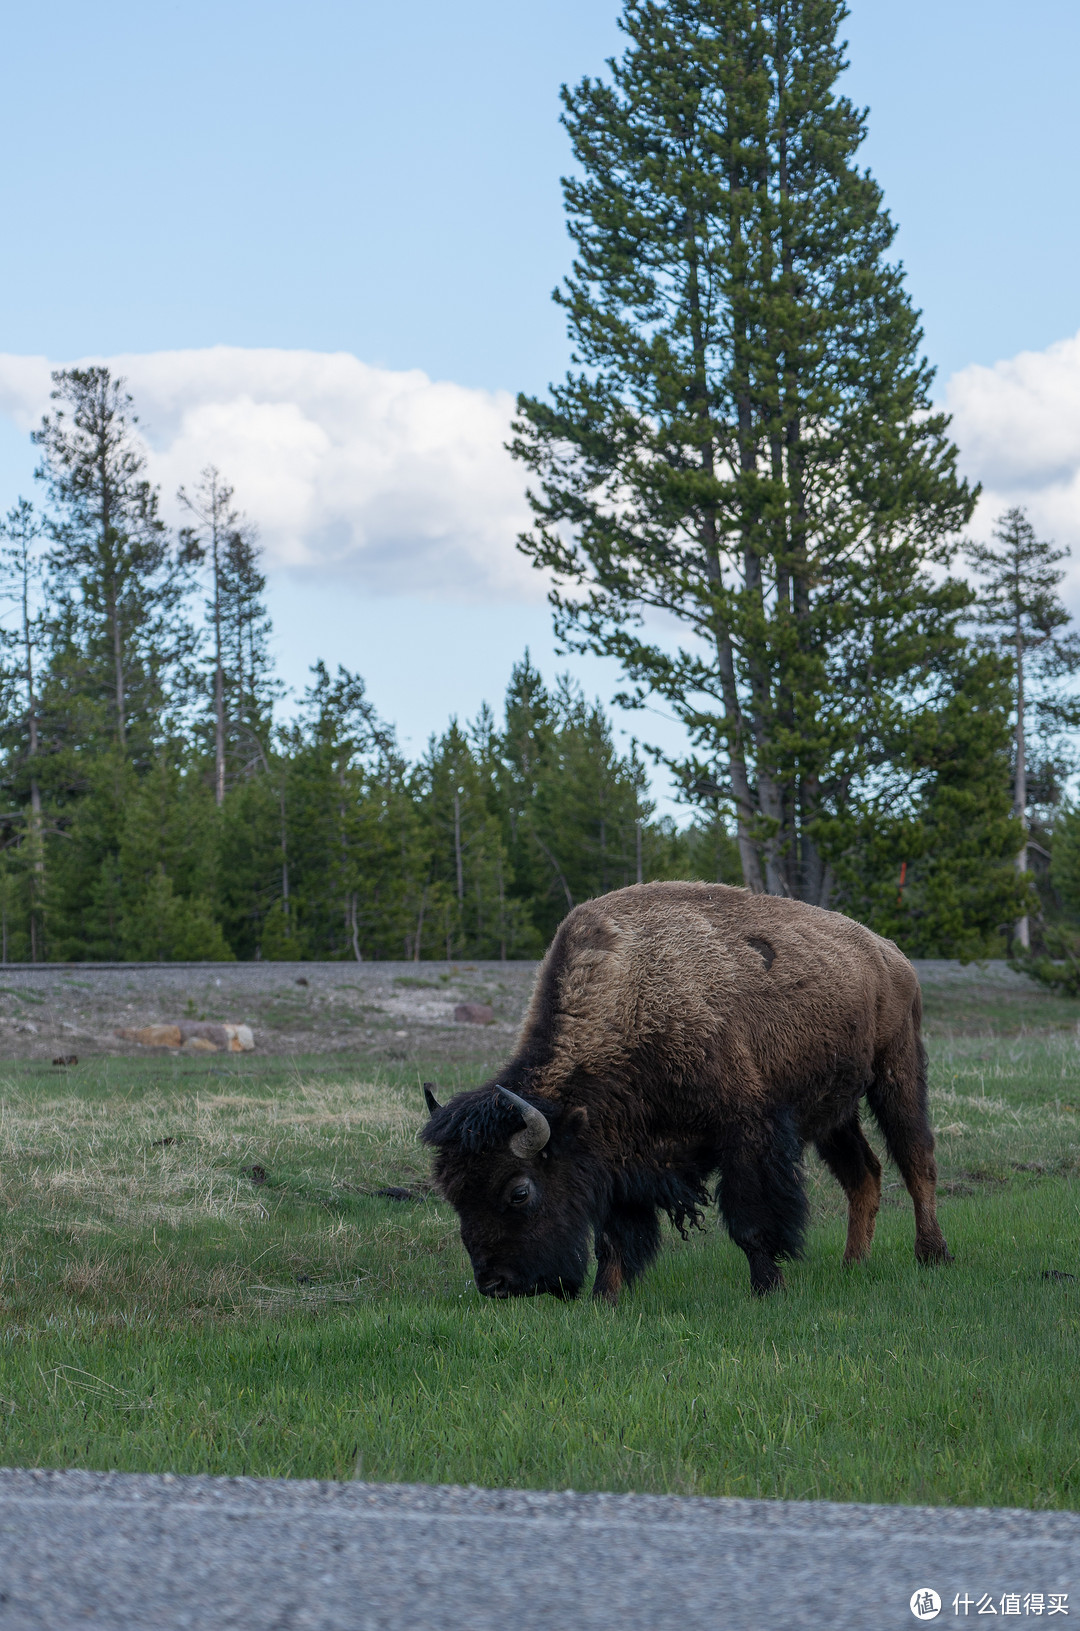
(430, 1100)
(577, 1119)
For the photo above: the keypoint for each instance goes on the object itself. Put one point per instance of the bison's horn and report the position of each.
(430, 1100)
(536, 1133)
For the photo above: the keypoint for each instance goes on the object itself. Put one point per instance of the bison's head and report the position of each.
(520, 1180)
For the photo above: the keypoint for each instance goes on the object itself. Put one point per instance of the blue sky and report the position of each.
(383, 181)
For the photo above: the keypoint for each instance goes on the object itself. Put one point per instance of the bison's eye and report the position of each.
(520, 1193)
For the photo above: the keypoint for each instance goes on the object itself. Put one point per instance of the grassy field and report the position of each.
(197, 1275)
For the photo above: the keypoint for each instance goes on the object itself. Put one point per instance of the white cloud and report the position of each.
(402, 485)
(1018, 428)
(393, 480)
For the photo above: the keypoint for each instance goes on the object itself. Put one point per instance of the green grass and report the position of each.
(160, 1310)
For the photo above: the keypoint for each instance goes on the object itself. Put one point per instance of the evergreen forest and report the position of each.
(162, 801)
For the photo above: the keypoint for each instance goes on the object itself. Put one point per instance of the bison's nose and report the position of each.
(493, 1285)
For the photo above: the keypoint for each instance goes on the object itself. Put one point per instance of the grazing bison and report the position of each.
(677, 1030)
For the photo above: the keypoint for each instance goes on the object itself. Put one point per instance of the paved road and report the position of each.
(88, 1550)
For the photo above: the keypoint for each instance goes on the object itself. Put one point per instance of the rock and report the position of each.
(206, 1032)
(474, 1013)
(152, 1036)
(194, 1035)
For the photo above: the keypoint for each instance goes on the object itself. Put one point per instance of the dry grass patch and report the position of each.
(142, 1198)
(168, 1158)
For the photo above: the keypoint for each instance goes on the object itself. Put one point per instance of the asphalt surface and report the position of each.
(85, 1550)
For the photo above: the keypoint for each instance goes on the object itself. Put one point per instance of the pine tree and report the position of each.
(747, 444)
(351, 831)
(120, 637)
(592, 799)
(525, 754)
(928, 856)
(21, 569)
(253, 896)
(254, 685)
(576, 813)
(165, 874)
(1065, 859)
(472, 909)
(1019, 607)
(243, 684)
(211, 505)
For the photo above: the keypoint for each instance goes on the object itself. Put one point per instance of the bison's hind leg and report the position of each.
(897, 1096)
(626, 1244)
(858, 1171)
(761, 1196)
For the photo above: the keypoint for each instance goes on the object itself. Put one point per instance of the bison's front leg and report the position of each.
(762, 1198)
(626, 1244)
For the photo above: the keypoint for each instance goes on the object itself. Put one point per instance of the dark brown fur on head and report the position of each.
(676, 1032)
(525, 1222)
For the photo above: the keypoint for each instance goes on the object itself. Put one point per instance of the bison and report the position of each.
(679, 1031)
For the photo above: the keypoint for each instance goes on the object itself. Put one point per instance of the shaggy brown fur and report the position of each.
(676, 1031)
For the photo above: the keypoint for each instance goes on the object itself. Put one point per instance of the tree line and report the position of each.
(154, 809)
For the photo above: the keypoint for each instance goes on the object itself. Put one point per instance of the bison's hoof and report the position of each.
(935, 1252)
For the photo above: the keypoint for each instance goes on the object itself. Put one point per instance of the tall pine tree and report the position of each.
(746, 444)
(225, 545)
(121, 635)
(22, 639)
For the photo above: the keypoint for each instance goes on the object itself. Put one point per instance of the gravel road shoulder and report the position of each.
(126, 1551)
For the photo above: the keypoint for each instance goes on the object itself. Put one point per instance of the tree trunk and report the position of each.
(502, 915)
(284, 859)
(118, 663)
(111, 602)
(1021, 929)
(37, 844)
(219, 681)
(420, 926)
(457, 847)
